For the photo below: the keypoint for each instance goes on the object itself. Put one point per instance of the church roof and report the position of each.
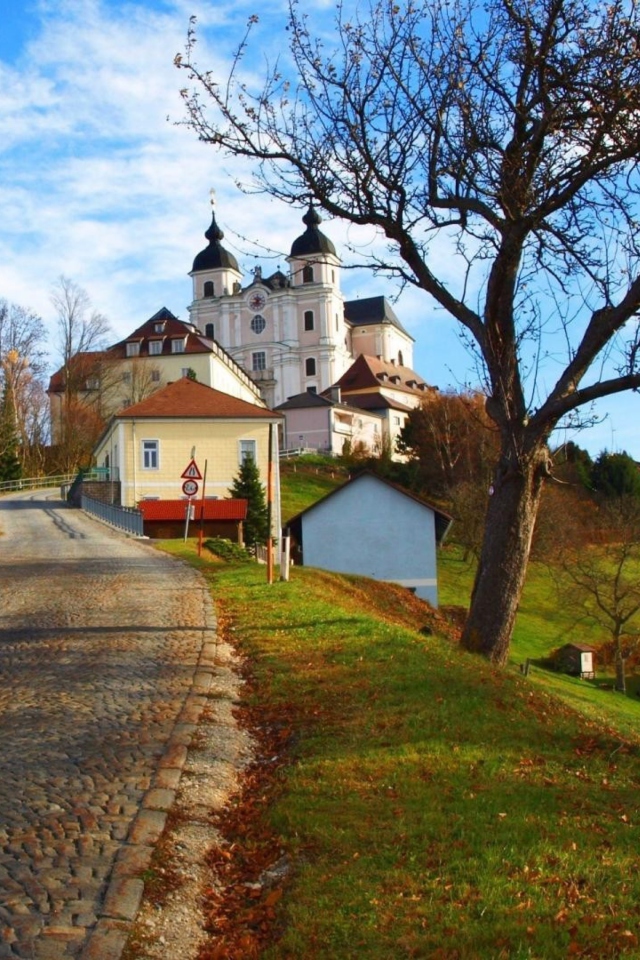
(312, 241)
(214, 256)
(371, 310)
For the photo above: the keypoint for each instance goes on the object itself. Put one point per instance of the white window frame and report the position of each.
(178, 345)
(133, 348)
(150, 454)
(247, 448)
(155, 348)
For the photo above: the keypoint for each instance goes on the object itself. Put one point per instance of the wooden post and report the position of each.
(201, 531)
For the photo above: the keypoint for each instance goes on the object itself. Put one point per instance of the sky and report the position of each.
(100, 182)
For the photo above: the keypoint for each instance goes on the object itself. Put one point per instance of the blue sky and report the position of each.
(97, 182)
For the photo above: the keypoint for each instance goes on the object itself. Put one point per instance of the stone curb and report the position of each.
(125, 889)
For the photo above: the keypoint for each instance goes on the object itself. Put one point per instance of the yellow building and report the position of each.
(160, 351)
(147, 447)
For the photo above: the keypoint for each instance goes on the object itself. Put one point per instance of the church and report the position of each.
(304, 345)
(338, 371)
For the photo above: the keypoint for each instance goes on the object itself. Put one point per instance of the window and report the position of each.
(313, 390)
(259, 361)
(310, 367)
(155, 347)
(258, 323)
(155, 376)
(307, 274)
(400, 359)
(209, 331)
(133, 348)
(178, 345)
(158, 327)
(308, 319)
(126, 378)
(150, 454)
(93, 383)
(208, 288)
(247, 449)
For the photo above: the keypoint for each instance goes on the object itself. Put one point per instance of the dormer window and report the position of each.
(158, 327)
(383, 376)
(133, 348)
(178, 345)
(155, 348)
(395, 378)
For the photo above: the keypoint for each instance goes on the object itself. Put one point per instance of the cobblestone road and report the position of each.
(106, 652)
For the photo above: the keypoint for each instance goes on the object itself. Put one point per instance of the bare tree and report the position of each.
(510, 130)
(600, 582)
(82, 334)
(22, 368)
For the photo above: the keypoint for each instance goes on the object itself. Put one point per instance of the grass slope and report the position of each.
(429, 806)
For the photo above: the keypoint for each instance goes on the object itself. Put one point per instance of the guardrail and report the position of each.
(127, 519)
(36, 483)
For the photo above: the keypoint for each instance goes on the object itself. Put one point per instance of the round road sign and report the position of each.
(190, 488)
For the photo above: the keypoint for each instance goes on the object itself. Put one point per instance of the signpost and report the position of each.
(190, 487)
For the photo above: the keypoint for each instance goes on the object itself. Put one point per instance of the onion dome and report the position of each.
(312, 240)
(215, 255)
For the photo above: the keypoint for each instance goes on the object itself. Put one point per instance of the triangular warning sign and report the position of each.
(192, 472)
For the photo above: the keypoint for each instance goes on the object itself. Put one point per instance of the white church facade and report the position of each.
(292, 333)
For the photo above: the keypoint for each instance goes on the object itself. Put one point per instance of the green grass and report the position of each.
(306, 480)
(544, 624)
(432, 806)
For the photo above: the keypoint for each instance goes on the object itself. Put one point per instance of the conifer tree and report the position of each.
(248, 486)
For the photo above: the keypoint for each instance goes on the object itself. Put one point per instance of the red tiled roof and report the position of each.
(365, 372)
(176, 509)
(186, 398)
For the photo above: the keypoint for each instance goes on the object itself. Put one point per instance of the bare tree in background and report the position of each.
(81, 339)
(22, 370)
(600, 582)
(507, 133)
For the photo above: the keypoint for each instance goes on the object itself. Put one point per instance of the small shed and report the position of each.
(576, 659)
(165, 519)
(373, 527)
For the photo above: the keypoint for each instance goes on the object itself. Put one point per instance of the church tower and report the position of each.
(288, 332)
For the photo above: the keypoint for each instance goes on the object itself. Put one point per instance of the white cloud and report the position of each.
(97, 184)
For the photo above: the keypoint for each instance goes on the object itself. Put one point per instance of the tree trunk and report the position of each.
(621, 679)
(510, 520)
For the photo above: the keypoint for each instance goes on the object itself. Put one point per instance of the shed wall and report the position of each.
(371, 529)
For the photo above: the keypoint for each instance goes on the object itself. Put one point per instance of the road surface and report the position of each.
(107, 651)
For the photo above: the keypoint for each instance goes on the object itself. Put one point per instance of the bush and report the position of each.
(227, 550)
